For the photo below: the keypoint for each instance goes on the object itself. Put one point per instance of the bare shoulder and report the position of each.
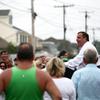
(5, 77)
(6, 73)
(43, 78)
(47, 84)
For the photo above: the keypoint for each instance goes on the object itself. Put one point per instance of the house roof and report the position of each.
(19, 29)
(4, 12)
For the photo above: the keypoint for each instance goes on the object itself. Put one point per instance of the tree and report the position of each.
(97, 45)
(11, 48)
(68, 46)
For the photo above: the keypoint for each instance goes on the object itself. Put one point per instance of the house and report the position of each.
(6, 16)
(13, 34)
(9, 32)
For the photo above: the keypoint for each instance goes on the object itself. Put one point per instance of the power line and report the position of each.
(50, 22)
(12, 7)
(89, 7)
(97, 8)
(59, 1)
(17, 3)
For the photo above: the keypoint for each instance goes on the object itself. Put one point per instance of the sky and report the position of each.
(49, 20)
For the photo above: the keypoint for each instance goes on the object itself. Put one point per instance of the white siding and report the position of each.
(4, 19)
(8, 33)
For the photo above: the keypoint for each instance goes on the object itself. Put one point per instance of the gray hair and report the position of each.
(90, 55)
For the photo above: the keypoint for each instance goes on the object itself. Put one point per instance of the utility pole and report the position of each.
(64, 25)
(93, 35)
(86, 17)
(33, 32)
(64, 12)
(93, 29)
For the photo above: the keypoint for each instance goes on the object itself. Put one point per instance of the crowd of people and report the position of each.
(51, 78)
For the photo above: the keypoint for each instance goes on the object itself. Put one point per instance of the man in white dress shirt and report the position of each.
(83, 43)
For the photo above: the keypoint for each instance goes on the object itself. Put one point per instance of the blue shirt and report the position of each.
(87, 83)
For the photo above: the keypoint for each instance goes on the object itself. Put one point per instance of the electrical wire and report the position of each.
(5, 4)
(49, 22)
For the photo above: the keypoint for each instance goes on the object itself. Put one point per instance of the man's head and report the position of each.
(25, 52)
(4, 55)
(82, 37)
(90, 56)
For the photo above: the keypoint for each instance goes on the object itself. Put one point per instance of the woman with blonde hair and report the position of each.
(55, 67)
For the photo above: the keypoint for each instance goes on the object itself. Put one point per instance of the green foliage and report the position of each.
(97, 45)
(11, 48)
(64, 45)
(68, 46)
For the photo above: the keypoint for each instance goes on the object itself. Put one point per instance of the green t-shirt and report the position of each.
(23, 85)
